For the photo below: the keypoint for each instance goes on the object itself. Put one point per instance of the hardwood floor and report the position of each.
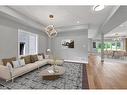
(106, 75)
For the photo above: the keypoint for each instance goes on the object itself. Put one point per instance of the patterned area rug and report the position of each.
(72, 79)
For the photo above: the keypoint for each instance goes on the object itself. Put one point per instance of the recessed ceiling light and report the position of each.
(98, 7)
(78, 22)
(122, 25)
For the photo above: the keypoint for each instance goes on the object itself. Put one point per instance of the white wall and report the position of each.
(8, 42)
(9, 37)
(42, 44)
(90, 45)
(80, 50)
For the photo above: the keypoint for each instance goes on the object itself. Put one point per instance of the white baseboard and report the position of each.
(77, 61)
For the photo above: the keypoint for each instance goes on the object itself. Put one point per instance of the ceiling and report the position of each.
(66, 16)
(121, 30)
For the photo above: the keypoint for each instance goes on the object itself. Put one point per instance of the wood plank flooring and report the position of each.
(108, 75)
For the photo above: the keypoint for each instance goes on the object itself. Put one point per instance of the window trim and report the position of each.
(30, 33)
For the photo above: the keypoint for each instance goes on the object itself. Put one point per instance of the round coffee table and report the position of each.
(49, 74)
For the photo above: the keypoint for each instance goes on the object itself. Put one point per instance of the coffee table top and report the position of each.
(49, 71)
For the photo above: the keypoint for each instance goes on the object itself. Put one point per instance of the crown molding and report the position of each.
(12, 14)
(16, 16)
(70, 28)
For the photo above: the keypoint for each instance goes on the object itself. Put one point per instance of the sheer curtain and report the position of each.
(30, 41)
(32, 44)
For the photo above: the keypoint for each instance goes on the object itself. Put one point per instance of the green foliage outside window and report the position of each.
(108, 46)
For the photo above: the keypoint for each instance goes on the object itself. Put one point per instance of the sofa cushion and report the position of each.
(5, 61)
(16, 64)
(57, 61)
(22, 70)
(34, 58)
(50, 61)
(41, 63)
(27, 59)
(42, 55)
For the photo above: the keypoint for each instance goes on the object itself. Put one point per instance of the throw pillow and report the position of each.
(27, 59)
(46, 56)
(40, 57)
(5, 61)
(10, 68)
(22, 62)
(34, 58)
(16, 64)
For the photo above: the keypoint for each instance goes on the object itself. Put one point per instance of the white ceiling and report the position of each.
(121, 30)
(66, 16)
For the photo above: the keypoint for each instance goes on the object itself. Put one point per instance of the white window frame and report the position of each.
(21, 30)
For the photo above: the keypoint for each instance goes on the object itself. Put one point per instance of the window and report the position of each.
(109, 45)
(32, 44)
(27, 43)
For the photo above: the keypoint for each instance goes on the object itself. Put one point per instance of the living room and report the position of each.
(49, 47)
(63, 47)
(24, 40)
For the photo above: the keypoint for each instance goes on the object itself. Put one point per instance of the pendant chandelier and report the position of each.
(50, 29)
(117, 37)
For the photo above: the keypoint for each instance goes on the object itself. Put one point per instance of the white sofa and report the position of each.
(7, 75)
